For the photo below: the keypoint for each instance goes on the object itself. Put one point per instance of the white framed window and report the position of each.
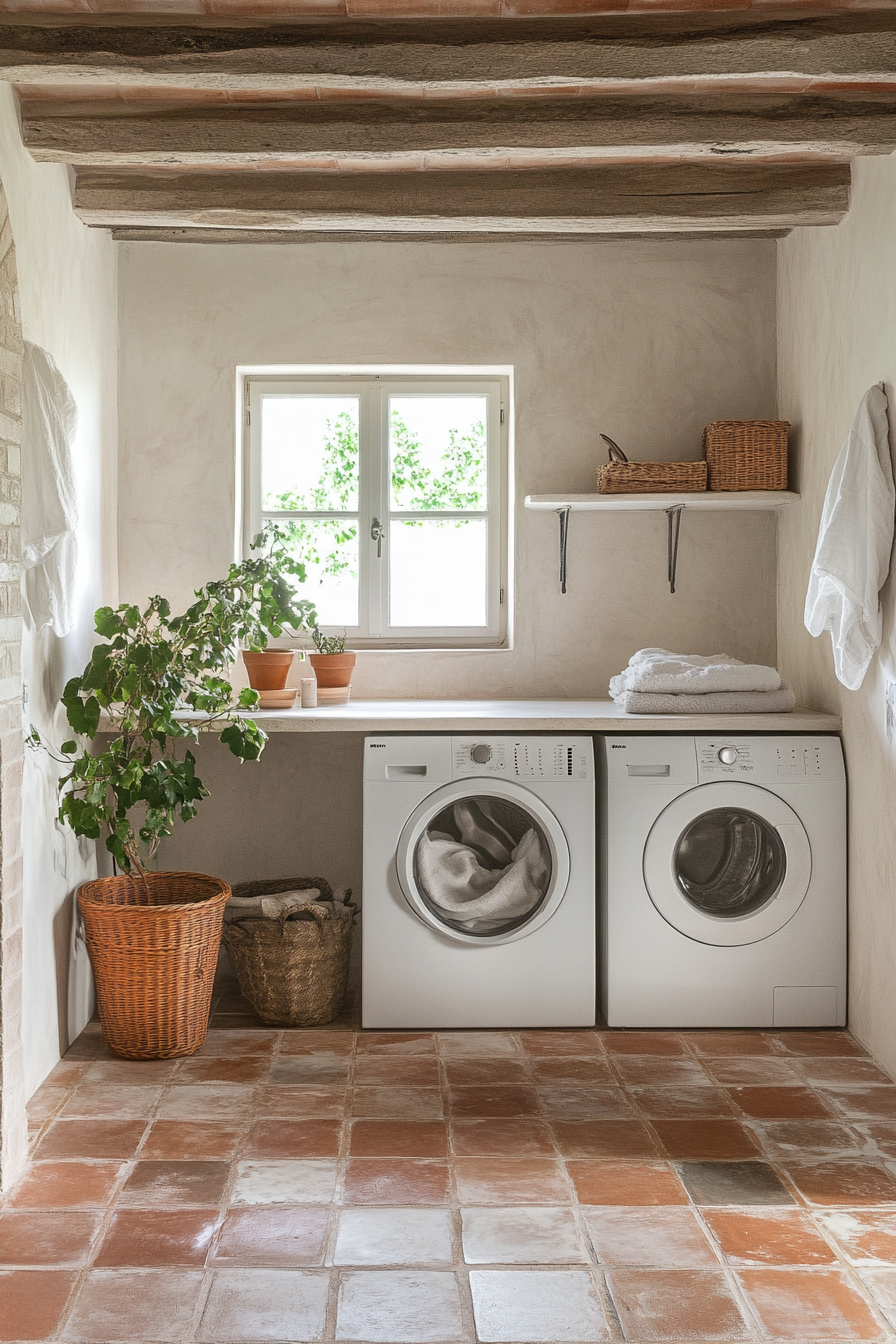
(394, 490)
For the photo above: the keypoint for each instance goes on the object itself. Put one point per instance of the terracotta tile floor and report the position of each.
(444, 1188)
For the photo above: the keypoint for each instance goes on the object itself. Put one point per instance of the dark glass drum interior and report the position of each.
(483, 866)
(730, 863)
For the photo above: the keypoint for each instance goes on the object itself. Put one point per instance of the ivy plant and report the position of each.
(155, 683)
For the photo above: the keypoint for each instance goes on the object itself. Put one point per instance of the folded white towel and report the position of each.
(781, 701)
(659, 672)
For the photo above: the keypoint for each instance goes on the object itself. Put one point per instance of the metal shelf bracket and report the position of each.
(563, 515)
(673, 516)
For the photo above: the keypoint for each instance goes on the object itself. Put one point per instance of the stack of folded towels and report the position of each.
(659, 682)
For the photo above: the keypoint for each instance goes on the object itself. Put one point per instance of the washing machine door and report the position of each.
(483, 861)
(728, 864)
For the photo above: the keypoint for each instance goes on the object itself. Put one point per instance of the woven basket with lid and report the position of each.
(153, 945)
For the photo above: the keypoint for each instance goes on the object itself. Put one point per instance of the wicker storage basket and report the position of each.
(746, 454)
(294, 970)
(153, 946)
(621, 477)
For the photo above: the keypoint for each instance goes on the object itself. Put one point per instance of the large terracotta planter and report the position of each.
(333, 669)
(268, 670)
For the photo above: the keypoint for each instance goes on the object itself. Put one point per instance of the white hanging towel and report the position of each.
(855, 538)
(49, 499)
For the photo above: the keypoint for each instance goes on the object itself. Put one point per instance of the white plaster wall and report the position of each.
(68, 289)
(837, 336)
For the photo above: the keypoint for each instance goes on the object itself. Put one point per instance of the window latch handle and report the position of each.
(376, 533)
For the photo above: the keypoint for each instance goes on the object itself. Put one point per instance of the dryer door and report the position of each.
(727, 864)
(483, 861)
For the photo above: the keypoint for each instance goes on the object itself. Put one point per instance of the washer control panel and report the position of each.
(557, 758)
(765, 760)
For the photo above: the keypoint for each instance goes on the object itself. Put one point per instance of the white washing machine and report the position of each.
(724, 881)
(479, 882)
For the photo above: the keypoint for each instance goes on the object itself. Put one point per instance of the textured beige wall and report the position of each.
(837, 336)
(645, 340)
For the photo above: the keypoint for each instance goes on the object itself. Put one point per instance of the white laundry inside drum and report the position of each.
(483, 865)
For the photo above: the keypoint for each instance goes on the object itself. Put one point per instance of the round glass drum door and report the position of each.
(483, 862)
(727, 864)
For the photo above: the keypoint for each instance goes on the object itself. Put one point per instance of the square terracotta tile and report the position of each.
(486, 1072)
(827, 1072)
(881, 1134)
(66, 1185)
(863, 1103)
(627, 1183)
(657, 1071)
(554, 1069)
(393, 1237)
(398, 1103)
(496, 1180)
(768, 1237)
(867, 1237)
(662, 1237)
(260, 1304)
(854, 1183)
(158, 1237)
(641, 1043)
(676, 1304)
(399, 1138)
(548, 1043)
(309, 1041)
(780, 1103)
(144, 1304)
(585, 1103)
(712, 1044)
(206, 1101)
(32, 1302)
(682, 1103)
(277, 1238)
(733, 1183)
(396, 1043)
(818, 1043)
(55, 1239)
(284, 1181)
(211, 1069)
(391, 1180)
(882, 1283)
(170, 1140)
(130, 1072)
(759, 1071)
(814, 1304)
(399, 1306)
(108, 1101)
(289, 1102)
(386, 1071)
(483, 1102)
(233, 1044)
(536, 1304)
(317, 1069)
(158, 1182)
(521, 1236)
(604, 1138)
(472, 1044)
(293, 1138)
(513, 1137)
(91, 1138)
(46, 1101)
(705, 1138)
(797, 1140)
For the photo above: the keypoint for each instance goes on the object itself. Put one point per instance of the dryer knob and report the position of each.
(481, 753)
(728, 755)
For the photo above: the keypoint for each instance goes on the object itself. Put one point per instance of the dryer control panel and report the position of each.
(545, 758)
(767, 760)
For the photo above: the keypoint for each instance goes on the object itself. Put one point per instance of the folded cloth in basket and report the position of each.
(462, 890)
(781, 701)
(283, 903)
(659, 672)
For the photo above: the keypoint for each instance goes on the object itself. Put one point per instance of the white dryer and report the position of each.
(479, 882)
(724, 881)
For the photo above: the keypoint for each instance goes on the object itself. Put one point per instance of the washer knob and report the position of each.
(728, 755)
(481, 753)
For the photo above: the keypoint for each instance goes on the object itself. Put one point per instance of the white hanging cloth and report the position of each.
(852, 558)
(49, 498)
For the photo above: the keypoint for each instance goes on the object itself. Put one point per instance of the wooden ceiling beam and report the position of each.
(614, 200)
(389, 136)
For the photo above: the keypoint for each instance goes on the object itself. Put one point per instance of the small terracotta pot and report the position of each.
(268, 670)
(333, 669)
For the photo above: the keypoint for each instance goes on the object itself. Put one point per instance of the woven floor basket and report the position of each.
(154, 947)
(294, 972)
(746, 454)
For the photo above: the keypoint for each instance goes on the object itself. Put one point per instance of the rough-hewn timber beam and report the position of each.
(384, 136)
(643, 199)
(416, 59)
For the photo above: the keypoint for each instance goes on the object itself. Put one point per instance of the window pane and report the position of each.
(437, 452)
(329, 549)
(309, 452)
(438, 572)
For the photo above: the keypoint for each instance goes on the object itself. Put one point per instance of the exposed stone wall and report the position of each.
(13, 1126)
